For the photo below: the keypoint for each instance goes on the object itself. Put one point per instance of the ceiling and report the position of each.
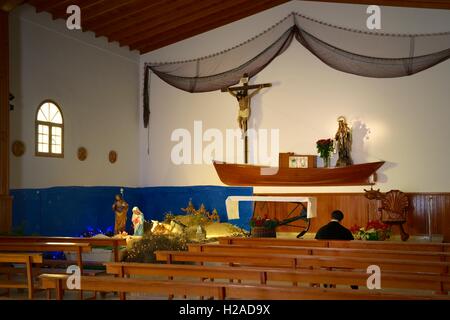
(147, 25)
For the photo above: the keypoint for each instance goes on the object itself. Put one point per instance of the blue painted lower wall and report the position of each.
(69, 211)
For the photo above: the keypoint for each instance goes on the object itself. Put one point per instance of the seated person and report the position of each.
(334, 230)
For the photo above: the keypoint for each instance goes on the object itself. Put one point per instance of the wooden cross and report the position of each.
(241, 93)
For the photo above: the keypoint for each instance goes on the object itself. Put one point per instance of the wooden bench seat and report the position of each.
(115, 243)
(323, 251)
(217, 290)
(28, 259)
(355, 244)
(434, 283)
(304, 261)
(78, 248)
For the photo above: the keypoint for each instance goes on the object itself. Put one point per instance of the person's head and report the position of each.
(118, 197)
(136, 210)
(337, 215)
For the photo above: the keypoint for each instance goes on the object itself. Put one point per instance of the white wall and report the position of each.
(96, 85)
(402, 121)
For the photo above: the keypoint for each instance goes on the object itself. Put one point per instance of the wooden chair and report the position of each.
(20, 258)
(394, 209)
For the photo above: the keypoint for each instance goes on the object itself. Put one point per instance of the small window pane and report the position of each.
(57, 118)
(43, 129)
(56, 149)
(43, 147)
(42, 138)
(41, 115)
(56, 131)
(56, 140)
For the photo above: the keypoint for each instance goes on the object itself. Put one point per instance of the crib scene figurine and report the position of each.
(138, 222)
(120, 207)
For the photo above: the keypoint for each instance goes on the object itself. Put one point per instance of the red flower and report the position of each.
(355, 228)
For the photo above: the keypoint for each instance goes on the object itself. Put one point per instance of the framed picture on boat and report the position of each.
(300, 161)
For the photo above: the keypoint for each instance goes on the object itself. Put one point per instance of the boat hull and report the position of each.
(253, 175)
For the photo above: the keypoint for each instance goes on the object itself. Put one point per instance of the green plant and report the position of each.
(374, 230)
(325, 147)
(144, 250)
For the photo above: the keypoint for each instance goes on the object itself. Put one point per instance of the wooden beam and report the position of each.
(424, 4)
(220, 12)
(8, 5)
(107, 26)
(202, 25)
(5, 199)
(49, 6)
(59, 10)
(177, 16)
(104, 8)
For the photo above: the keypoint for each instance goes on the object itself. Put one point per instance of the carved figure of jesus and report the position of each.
(244, 98)
(241, 93)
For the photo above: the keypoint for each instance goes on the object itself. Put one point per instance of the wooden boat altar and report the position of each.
(255, 175)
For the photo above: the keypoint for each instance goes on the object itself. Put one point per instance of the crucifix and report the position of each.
(241, 93)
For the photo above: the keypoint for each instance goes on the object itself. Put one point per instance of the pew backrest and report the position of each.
(218, 290)
(356, 244)
(304, 261)
(323, 251)
(436, 283)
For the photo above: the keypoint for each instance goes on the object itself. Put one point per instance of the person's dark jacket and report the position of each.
(334, 231)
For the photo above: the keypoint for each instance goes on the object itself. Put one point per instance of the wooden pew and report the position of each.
(79, 248)
(323, 251)
(218, 290)
(21, 258)
(115, 243)
(418, 281)
(305, 261)
(355, 244)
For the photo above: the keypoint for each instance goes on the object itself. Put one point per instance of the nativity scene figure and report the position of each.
(120, 207)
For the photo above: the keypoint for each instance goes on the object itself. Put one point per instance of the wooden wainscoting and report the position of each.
(358, 210)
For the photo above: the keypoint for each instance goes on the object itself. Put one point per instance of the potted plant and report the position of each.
(325, 147)
(263, 227)
(375, 230)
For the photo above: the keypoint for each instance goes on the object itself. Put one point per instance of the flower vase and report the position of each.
(326, 162)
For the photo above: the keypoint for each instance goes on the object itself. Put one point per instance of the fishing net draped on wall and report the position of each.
(368, 54)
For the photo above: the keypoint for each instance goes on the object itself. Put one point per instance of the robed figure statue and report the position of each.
(343, 143)
(138, 222)
(120, 207)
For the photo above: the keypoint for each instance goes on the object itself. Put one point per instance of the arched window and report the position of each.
(49, 130)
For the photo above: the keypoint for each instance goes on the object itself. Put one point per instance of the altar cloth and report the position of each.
(232, 204)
